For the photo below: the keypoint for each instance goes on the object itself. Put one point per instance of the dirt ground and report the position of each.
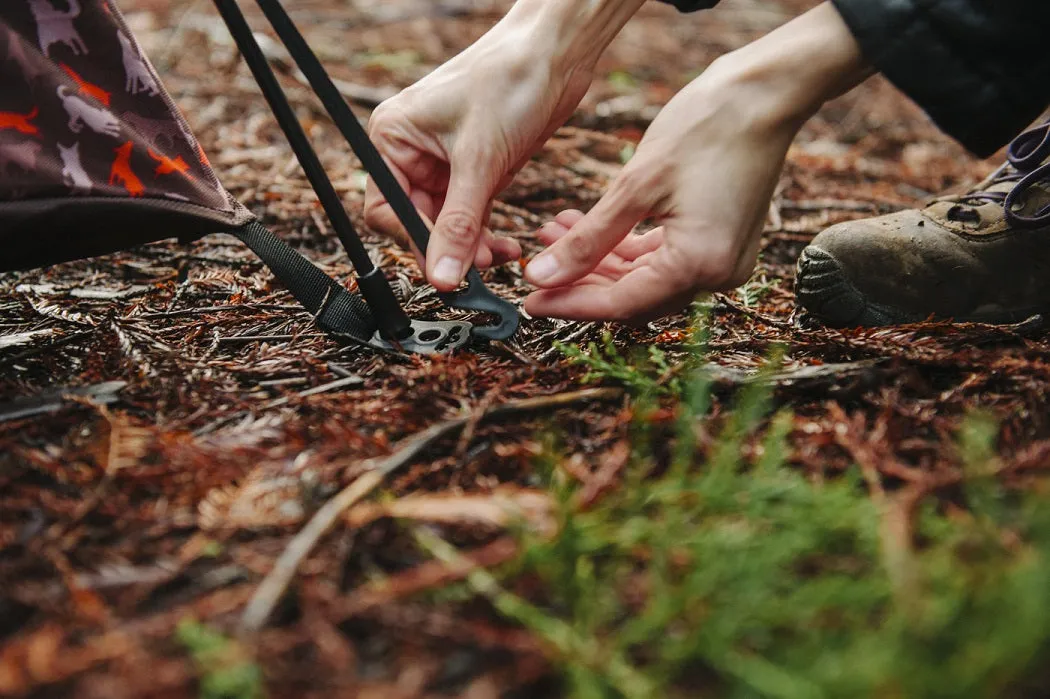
(172, 502)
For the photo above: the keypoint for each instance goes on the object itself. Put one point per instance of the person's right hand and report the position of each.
(456, 138)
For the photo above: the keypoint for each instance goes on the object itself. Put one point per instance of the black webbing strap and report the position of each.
(335, 309)
(375, 289)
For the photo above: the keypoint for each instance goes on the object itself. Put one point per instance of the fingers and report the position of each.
(628, 255)
(640, 295)
(378, 214)
(635, 246)
(380, 217)
(667, 274)
(459, 227)
(591, 237)
(494, 250)
(657, 282)
(502, 250)
(630, 248)
(569, 217)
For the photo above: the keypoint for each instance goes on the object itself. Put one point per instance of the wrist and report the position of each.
(790, 73)
(569, 34)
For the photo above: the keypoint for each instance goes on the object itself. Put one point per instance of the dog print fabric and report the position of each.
(83, 113)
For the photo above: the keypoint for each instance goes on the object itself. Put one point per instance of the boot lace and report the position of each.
(1024, 165)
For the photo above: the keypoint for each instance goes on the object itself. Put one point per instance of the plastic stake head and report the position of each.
(478, 297)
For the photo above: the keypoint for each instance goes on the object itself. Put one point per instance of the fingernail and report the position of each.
(447, 270)
(542, 268)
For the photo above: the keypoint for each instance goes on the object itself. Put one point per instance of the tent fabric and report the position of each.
(94, 154)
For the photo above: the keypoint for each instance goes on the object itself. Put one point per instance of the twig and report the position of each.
(323, 388)
(276, 582)
(768, 320)
(268, 338)
(364, 95)
(568, 339)
(204, 310)
(44, 348)
(509, 348)
(466, 435)
(428, 576)
(345, 382)
(561, 636)
(52, 400)
(274, 383)
(26, 338)
(332, 386)
(340, 370)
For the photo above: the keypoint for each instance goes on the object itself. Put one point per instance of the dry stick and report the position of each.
(568, 339)
(349, 381)
(895, 512)
(72, 337)
(276, 582)
(269, 338)
(204, 310)
(557, 633)
(768, 320)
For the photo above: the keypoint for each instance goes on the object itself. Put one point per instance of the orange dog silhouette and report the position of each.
(22, 123)
(87, 88)
(121, 172)
(168, 165)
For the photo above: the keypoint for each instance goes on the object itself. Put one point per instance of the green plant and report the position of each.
(756, 288)
(225, 669)
(648, 373)
(725, 571)
(622, 81)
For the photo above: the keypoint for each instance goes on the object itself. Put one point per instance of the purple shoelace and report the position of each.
(1026, 153)
(1024, 165)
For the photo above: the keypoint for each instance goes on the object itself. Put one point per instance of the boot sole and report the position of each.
(824, 290)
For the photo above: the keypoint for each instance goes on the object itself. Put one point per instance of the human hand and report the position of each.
(706, 173)
(457, 137)
(705, 170)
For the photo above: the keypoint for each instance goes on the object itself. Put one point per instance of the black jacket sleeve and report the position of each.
(980, 68)
(691, 5)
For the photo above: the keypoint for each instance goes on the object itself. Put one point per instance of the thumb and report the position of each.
(592, 237)
(458, 229)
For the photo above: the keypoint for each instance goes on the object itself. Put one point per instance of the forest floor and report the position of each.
(518, 552)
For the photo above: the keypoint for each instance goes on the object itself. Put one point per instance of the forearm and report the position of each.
(789, 73)
(569, 33)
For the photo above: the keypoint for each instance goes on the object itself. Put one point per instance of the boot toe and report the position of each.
(824, 290)
(839, 275)
(821, 287)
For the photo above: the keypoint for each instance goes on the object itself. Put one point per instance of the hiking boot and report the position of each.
(980, 256)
